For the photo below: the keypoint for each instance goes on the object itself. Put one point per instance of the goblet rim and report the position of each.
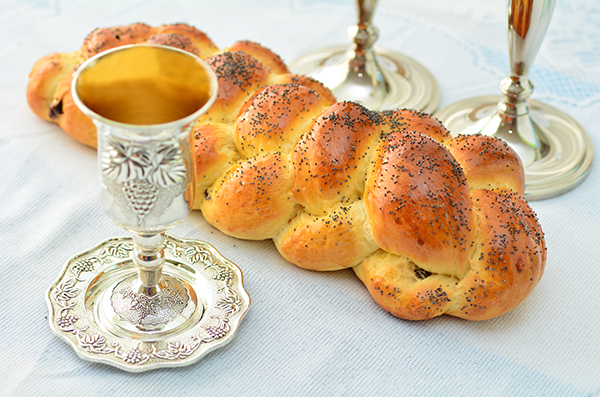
(144, 127)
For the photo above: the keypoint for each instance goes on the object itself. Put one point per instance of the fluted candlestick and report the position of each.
(556, 151)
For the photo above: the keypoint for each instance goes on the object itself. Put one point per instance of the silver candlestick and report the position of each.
(375, 77)
(149, 300)
(556, 151)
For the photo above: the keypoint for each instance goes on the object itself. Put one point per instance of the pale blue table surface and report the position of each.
(306, 333)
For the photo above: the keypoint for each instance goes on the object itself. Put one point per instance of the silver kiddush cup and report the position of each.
(144, 100)
(151, 300)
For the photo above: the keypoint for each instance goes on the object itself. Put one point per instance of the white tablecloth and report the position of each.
(306, 333)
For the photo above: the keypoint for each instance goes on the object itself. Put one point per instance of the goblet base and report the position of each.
(409, 84)
(203, 294)
(567, 153)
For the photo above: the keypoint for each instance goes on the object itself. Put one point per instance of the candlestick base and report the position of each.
(565, 152)
(393, 81)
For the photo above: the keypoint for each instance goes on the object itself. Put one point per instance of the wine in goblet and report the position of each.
(556, 151)
(378, 78)
(151, 299)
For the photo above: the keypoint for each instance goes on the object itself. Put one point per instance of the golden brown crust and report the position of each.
(337, 240)
(258, 210)
(404, 289)
(331, 158)
(416, 120)
(496, 166)
(74, 122)
(326, 95)
(174, 40)
(264, 55)
(214, 151)
(384, 194)
(103, 39)
(204, 44)
(509, 260)
(418, 202)
(507, 263)
(239, 76)
(275, 118)
(44, 79)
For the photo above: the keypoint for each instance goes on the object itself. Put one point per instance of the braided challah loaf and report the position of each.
(431, 224)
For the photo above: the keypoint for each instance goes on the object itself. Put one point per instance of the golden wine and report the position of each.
(145, 85)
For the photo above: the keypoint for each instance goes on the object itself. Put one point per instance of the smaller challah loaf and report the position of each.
(431, 224)
(242, 69)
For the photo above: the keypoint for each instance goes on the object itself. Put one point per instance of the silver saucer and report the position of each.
(81, 313)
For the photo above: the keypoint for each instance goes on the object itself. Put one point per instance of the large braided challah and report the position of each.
(431, 224)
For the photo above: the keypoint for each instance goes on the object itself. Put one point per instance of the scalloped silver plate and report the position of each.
(79, 303)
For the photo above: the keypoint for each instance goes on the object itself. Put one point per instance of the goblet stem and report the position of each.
(149, 258)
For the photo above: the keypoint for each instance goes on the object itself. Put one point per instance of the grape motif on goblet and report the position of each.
(556, 151)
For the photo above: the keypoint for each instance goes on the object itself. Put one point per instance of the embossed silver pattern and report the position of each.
(149, 311)
(141, 181)
(74, 314)
(146, 177)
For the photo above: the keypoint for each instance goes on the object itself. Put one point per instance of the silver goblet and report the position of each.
(151, 300)
(375, 77)
(556, 151)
